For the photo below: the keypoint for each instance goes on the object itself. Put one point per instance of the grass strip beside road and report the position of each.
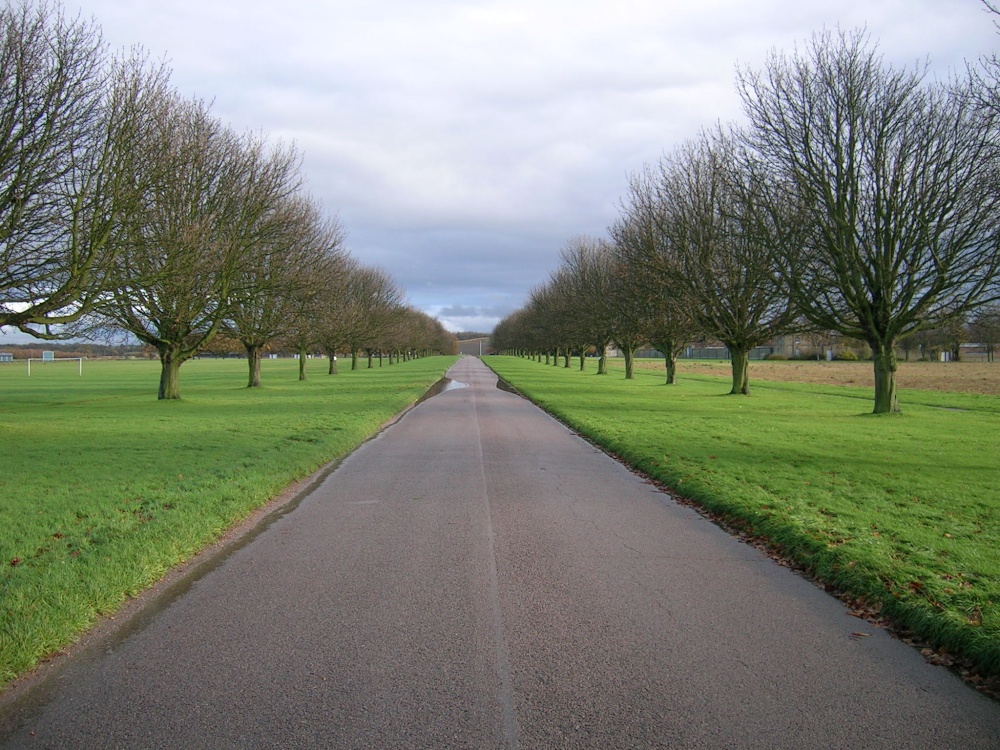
(104, 489)
(900, 511)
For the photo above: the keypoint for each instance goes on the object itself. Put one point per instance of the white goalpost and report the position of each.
(51, 357)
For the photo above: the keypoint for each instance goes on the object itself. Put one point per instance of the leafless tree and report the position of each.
(561, 315)
(630, 315)
(70, 118)
(414, 333)
(209, 190)
(650, 265)
(430, 335)
(987, 75)
(985, 329)
(893, 184)
(514, 334)
(371, 301)
(332, 315)
(589, 286)
(276, 280)
(707, 219)
(323, 284)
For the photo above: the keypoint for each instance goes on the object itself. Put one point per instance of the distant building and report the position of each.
(475, 347)
(6, 357)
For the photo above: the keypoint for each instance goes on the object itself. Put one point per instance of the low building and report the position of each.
(475, 347)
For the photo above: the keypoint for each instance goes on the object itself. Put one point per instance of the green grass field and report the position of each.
(104, 488)
(902, 511)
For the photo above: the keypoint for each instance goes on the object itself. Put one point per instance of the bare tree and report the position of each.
(515, 334)
(589, 266)
(371, 300)
(552, 309)
(707, 218)
(430, 336)
(414, 333)
(180, 258)
(893, 182)
(630, 315)
(276, 280)
(650, 265)
(985, 329)
(70, 119)
(987, 75)
(319, 291)
(333, 314)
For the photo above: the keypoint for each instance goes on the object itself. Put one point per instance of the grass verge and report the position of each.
(104, 488)
(901, 512)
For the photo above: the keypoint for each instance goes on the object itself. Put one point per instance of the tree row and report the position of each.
(859, 198)
(126, 207)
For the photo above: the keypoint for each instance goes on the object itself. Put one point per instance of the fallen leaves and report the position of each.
(866, 610)
(939, 657)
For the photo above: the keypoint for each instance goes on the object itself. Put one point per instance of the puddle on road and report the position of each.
(503, 385)
(443, 385)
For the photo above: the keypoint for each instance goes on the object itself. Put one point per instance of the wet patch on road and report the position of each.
(503, 385)
(443, 385)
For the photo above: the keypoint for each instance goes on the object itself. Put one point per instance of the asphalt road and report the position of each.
(479, 577)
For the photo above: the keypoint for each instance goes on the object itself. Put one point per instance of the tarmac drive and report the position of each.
(479, 577)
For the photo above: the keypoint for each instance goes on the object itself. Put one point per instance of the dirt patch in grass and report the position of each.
(953, 377)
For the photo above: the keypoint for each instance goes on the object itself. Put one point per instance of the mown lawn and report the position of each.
(902, 511)
(104, 488)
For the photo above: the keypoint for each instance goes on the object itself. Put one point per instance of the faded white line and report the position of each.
(510, 727)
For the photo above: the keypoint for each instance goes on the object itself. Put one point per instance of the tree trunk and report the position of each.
(583, 358)
(602, 363)
(629, 353)
(371, 360)
(170, 365)
(333, 365)
(567, 354)
(670, 360)
(302, 363)
(741, 370)
(253, 360)
(884, 358)
(354, 359)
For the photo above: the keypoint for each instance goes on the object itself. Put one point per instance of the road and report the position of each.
(479, 577)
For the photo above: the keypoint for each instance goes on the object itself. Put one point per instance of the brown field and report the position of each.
(957, 377)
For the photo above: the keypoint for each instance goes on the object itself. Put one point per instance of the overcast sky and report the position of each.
(462, 143)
